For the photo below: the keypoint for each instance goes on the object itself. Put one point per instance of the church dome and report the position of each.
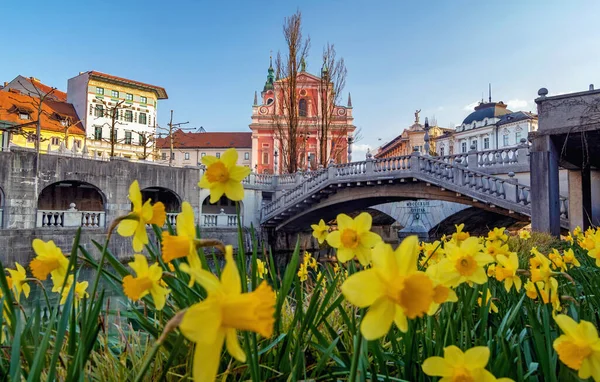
(487, 110)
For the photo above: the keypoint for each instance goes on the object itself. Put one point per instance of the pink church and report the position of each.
(266, 136)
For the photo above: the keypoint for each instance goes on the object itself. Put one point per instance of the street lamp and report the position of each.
(275, 155)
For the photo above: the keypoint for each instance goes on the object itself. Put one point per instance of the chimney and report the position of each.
(5, 83)
(591, 86)
(34, 79)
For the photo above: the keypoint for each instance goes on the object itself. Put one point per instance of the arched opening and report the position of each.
(71, 204)
(168, 197)
(1, 207)
(223, 213)
(302, 108)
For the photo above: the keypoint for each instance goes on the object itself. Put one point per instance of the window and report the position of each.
(486, 143)
(77, 143)
(164, 156)
(172, 155)
(128, 116)
(518, 137)
(246, 156)
(143, 99)
(269, 101)
(463, 147)
(128, 137)
(114, 93)
(202, 155)
(142, 119)
(99, 112)
(441, 151)
(98, 133)
(218, 155)
(474, 144)
(31, 138)
(142, 139)
(24, 115)
(114, 135)
(265, 159)
(505, 140)
(129, 97)
(55, 141)
(302, 108)
(99, 90)
(186, 156)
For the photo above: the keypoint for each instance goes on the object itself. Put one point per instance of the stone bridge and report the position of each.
(464, 179)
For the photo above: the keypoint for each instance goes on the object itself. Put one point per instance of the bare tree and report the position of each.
(286, 68)
(147, 142)
(171, 134)
(113, 112)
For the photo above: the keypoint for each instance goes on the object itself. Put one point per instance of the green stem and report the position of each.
(147, 362)
(100, 264)
(355, 357)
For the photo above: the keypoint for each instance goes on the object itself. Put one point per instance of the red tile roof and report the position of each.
(161, 93)
(190, 140)
(44, 89)
(52, 112)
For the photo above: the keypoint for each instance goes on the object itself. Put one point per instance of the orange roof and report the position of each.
(45, 89)
(161, 93)
(190, 140)
(53, 112)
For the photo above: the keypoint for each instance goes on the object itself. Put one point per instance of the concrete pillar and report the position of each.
(545, 197)
(580, 198)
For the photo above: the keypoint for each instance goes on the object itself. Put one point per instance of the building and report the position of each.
(189, 148)
(410, 139)
(490, 126)
(270, 127)
(59, 123)
(32, 86)
(103, 101)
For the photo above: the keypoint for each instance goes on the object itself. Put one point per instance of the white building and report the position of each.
(491, 126)
(98, 97)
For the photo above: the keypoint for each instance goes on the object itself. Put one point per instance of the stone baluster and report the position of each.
(523, 152)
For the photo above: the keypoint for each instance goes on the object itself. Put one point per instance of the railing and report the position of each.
(219, 220)
(172, 219)
(60, 218)
(1, 216)
(490, 158)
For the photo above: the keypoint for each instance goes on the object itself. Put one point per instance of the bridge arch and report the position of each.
(71, 203)
(166, 196)
(476, 221)
(221, 213)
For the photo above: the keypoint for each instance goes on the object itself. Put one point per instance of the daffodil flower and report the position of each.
(459, 235)
(214, 321)
(540, 267)
(393, 289)
(303, 272)
(441, 292)
(495, 248)
(141, 214)
(147, 280)
(506, 270)
(524, 235)
(493, 307)
(261, 268)
(79, 292)
(569, 258)
(457, 366)
(497, 234)
(464, 262)
(19, 284)
(223, 176)
(354, 237)
(320, 231)
(49, 260)
(578, 347)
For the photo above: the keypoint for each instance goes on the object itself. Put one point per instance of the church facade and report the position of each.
(270, 124)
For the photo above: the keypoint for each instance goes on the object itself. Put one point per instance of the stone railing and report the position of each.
(219, 220)
(491, 159)
(70, 218)
(478, 185)
(172, 219)
(1, 216)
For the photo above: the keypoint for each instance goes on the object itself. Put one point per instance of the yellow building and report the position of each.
(107, 103)
(60, 125)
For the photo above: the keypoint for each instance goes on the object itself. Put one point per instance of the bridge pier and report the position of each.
(545, 196)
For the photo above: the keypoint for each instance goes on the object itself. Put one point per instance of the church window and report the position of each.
(302, 108)
(486, 143)
(269, 101)
(265, 158)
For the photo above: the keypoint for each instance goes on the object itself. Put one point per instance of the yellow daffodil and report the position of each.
(147, 280)
(569, 239)
(182, 244)
(464, 262)
(320, 231)
(441, 293)
(569, 258)
(495, 248)
(459, 235)
(578, 347)
(306, 258)
(578, 232)
(592, 244)
(493, 307)
(497, 234)
(49, 260)
(393, 289)
(491, 271)
(171, 267)
(261, 268)
(548, 291)
(457, 366)
(79, 292)
(530, 289)
(557, 261)
(336, 268)
(506, 270)
(432, 253)
(354, 237)
(525, 235)
(141, 214)
(303, 272)
(214, 321)
(540, 266)
(223, 176)
(19, 283)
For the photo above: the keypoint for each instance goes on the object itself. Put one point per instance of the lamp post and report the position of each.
(275, 155)
(350, 141)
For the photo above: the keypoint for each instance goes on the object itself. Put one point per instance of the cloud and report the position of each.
(471, 106)
(517, 104)
(359, 151)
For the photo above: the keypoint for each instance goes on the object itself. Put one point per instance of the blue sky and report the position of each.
(437, 56)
